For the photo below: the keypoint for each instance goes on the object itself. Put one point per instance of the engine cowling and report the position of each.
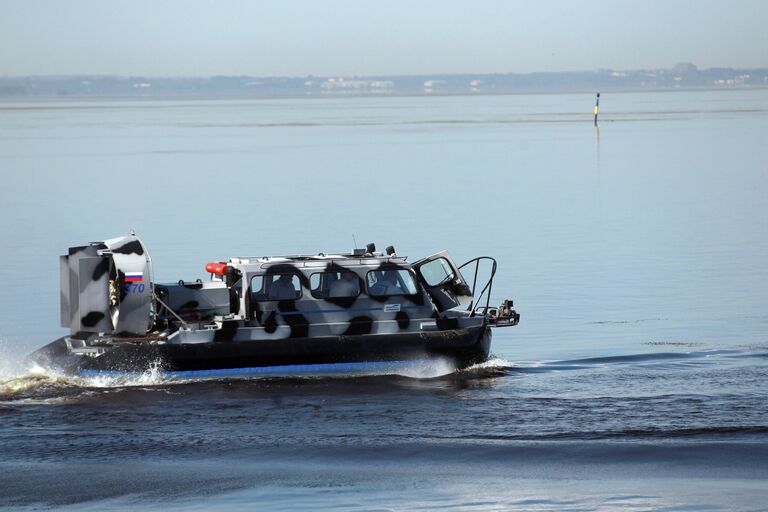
(106, 287)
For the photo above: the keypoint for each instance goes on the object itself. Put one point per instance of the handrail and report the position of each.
(488, 286)
(166, 306)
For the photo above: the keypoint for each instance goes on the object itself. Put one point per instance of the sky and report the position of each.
(344, 37)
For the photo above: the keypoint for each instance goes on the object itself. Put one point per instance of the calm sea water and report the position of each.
(635, 253)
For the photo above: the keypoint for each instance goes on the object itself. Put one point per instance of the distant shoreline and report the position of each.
(9, 100)
(682, 77)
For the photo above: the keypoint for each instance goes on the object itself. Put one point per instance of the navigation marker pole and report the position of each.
(597, 107)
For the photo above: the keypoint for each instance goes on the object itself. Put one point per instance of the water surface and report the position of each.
(635, 253)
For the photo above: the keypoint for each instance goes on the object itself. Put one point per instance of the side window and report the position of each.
(334, 285)
(436, 272)
(275, 287)
(257, 288)
(391, 282)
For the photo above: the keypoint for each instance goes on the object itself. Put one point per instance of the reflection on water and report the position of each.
(635, 253)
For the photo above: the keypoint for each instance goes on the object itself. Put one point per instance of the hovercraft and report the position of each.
(304, 314)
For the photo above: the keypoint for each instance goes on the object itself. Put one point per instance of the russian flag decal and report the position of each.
(134, 277)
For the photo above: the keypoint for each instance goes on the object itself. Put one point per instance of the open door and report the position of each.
(443, 281)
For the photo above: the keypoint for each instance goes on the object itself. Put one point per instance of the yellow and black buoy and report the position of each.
(597, 107)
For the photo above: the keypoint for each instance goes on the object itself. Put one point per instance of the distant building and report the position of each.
(431, 86)
(340, 85)
(684, 68)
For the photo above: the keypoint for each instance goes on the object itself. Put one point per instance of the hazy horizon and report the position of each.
(299, 38)
(352, 75)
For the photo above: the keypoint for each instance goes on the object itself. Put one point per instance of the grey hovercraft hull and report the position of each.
(461, 347)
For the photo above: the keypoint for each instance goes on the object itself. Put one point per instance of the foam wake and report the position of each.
(36, 381)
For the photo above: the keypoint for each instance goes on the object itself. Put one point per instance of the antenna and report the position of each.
(354, 241)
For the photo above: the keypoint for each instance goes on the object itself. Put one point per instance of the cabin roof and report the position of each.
(320, 259)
